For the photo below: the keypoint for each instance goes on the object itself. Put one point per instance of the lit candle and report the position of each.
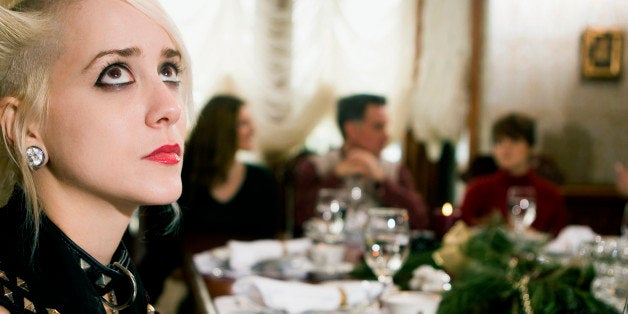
(444, 218)
(448, 209)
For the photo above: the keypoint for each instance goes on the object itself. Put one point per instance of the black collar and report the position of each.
(57, 273)
(105, 279)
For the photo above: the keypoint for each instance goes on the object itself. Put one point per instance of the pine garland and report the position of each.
(501, 277)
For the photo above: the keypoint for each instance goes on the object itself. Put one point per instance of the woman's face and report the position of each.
(245, 129)
(116, 121)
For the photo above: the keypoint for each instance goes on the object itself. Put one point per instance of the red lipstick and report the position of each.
(167, 154)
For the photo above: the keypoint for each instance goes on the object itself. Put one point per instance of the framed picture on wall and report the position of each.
(602, 51)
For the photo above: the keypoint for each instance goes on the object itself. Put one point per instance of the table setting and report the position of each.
(376, 265)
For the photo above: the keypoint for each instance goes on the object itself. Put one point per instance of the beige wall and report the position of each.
(531, 63)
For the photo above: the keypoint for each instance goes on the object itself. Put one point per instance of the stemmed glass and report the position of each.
(522, 206)
(387, 238)
(331, 206)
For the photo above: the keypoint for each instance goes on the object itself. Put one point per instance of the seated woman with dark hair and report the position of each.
(223, 196)
(513, 139)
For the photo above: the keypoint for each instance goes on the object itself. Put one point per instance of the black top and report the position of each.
(253, 212)
(59, 277)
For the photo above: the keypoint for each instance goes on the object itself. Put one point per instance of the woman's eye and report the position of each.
(115, 75)
(169, 73)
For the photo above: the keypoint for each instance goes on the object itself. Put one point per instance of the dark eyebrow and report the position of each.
(171, 53)
(127, 52)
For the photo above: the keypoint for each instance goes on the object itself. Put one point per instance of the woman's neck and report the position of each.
(92, 223)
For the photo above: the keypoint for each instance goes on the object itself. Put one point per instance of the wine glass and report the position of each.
(331, 206)
(522, 206)
(359, 201)
(387, 238)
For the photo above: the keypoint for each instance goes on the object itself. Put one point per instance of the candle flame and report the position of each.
(448, 209)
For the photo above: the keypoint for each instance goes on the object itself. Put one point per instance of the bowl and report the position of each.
(410, 302)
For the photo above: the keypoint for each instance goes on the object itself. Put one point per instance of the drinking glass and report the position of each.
(610, 261)
(331, 206)
(522, 206)
(387, 238)
(359, 197)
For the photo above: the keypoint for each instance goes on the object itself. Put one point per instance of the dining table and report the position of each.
(473, 257)
(209, 286)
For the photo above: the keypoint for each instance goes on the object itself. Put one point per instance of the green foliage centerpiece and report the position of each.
(493, 273)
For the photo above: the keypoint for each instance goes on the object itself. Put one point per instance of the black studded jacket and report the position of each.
(58, 276)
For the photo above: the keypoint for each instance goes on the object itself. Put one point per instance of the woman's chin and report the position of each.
(163, 196)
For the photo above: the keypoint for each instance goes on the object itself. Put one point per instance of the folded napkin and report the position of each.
(244, 254)
(430, 279)
(298, 297)
(570, 238)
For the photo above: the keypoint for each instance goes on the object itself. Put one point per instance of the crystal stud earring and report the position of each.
(35, 157)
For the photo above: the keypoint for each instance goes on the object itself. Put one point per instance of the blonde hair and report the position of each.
(29, 43)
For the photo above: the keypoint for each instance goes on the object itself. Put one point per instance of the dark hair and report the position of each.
(352, 108)
(515, 126)
(213, 143)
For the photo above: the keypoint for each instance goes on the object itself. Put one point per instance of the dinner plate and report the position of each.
(234, 304)
(215, 262)
(331, 271)
(289, 267)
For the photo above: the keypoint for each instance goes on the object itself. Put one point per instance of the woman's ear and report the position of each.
(8, 110)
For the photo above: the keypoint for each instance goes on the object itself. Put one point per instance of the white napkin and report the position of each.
(298, 297)
(430, 279)
(569, 239)
(244, 254)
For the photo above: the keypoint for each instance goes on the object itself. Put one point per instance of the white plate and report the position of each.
(215, 262)
(242, 305)
(331, 272)
(411, 302)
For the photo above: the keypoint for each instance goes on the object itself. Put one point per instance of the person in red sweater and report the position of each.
(513, 142)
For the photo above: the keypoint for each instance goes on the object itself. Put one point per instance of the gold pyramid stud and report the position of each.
(22, 284)
(150, 309)
(52, 311)
(28, 305)
(3, 275)
(8, 294)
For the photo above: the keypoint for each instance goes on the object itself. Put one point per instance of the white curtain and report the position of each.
(440, 98)
(291, 60)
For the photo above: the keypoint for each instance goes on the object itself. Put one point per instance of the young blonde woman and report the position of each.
(93, 97)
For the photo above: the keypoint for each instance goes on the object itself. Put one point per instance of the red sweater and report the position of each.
(487, 193)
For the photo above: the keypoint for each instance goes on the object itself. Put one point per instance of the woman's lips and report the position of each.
(167, 154)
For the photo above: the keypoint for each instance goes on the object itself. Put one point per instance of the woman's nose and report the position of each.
(166, 106)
